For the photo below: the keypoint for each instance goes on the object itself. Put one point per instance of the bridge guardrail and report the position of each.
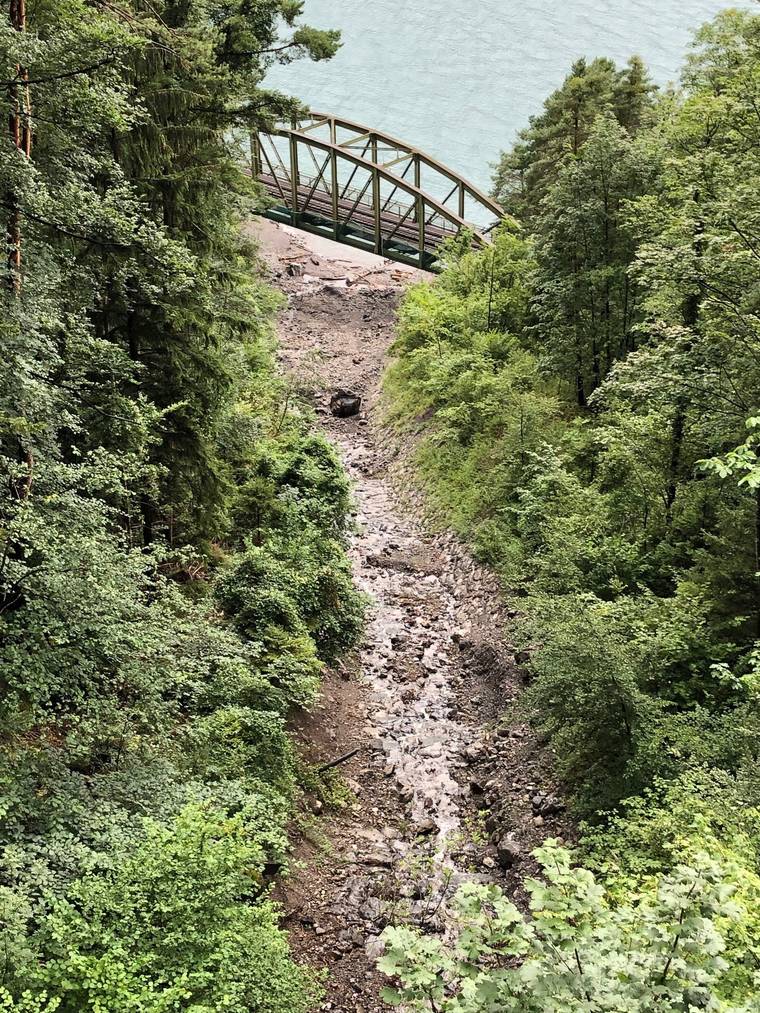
(404, 221)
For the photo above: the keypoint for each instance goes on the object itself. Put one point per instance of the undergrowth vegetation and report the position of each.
(578, 949)
(172, 566)
(585, 393)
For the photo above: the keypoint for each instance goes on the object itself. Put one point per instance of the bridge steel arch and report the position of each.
(403, 204)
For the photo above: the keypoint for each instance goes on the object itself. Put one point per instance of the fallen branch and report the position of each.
(338, 760)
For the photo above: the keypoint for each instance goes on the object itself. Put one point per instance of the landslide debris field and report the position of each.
(443, 786)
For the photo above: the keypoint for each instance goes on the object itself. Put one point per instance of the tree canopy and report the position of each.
(587, 393)
(172, 566)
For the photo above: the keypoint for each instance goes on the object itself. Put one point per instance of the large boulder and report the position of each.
(344, 404)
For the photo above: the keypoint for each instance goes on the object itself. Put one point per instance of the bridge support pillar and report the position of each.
(256, 167)
(420, 211)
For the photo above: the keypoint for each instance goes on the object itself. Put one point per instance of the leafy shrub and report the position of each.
(291, 479)
(577, 950)
(124, 696)
(296, 595)
(673, 822)
(176, 925)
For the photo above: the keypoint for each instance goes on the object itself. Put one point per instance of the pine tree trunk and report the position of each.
(677, 425)
(607, 307)
(20, 130)
(580, 385)
(628, 343)
(580, 388)
(132, 337)
(596, 363)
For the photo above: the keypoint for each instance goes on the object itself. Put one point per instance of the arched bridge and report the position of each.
(364, 188)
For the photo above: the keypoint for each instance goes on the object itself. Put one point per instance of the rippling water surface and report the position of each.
(458, 78)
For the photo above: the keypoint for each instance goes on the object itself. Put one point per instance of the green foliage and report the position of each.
(171, 927)
(294, 595)
(146, 449)
(291, 480)
(703, 810)
(743, 460)
(585, 397)
(582, 394)
(291, 589)
(479, 394)
(525, 174)
(577, 950)
(586, 301)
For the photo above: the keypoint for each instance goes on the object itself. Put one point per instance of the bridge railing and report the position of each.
(348, 195)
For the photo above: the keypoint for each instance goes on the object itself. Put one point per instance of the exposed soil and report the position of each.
(446, 785)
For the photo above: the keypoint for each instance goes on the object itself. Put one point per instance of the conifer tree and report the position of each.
(524, 174)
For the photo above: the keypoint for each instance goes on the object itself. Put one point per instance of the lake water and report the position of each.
(459, 78)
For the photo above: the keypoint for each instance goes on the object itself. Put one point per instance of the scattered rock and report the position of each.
(433, 751)
(379, 858)
(472, 754)
(546, 805)
(553, 806)
(374, 948)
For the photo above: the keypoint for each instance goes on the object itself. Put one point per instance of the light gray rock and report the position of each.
(508, 852)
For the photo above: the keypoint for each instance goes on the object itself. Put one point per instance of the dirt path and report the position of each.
(442, 790)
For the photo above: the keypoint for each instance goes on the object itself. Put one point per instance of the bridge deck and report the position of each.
(400, 235)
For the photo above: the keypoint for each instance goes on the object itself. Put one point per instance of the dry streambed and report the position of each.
(443, 787)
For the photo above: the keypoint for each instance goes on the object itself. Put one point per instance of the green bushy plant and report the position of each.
(631, 689)
(577, 950)
(291, 478)
(175, 924)
(296, 596)
(705, 809)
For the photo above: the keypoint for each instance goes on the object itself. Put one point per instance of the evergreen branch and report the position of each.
(66, 231)
(59, 77)
(84, 238)
(272, 49)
